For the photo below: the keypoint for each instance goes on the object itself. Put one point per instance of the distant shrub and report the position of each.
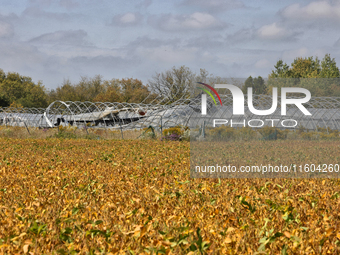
(246, 134)
(268, 133)
(66, 132)
(173, 130)
(177, 133)
(227, 133)
(223, 133)
(92, 137)
(172, 137)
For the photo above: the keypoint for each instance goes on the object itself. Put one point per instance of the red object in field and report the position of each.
(141, 112)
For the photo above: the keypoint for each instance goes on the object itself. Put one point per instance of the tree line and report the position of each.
(18, 91)
(169, 86)
(303, 72)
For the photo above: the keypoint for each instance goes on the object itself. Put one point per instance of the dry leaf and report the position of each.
(25, 248)
(287, 234)
(230, 229)
(228, 240)
(330, 231)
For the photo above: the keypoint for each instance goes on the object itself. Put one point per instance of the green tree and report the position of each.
(21, 90)
(4, 102)
(88, 88)
(123, 90)
(258, 85)
(85, 90)
(300, 68)
(281, 70)
(133, 90)
(98, 90)
(35, 96)
(302, 71)
(305, 68)
(110, 93)
(66, 92)
(329, 68)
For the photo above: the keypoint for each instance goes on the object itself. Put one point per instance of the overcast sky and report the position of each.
(53, 40)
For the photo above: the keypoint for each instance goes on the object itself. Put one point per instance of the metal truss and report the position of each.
(185, 112)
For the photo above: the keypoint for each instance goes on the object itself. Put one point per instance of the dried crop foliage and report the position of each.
(136, 197)
(68, 132)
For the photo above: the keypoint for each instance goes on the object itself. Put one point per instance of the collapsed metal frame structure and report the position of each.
(184, 112)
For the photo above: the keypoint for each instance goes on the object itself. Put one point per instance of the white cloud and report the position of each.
(63, 3)
(69, 37)
(194, 21)
(295, 53)
(337, 43)
(38, 12)
(149, 42)
(272, 32)
(215, 5)
(27, 60)
(144, 4)
(263, 63)
(6, 30)
(127, 19)
(190, 32)
(213, 43)
(167, 54)
(317, 10)
(242, 36)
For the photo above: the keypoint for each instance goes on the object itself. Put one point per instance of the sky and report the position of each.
(55, 40)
